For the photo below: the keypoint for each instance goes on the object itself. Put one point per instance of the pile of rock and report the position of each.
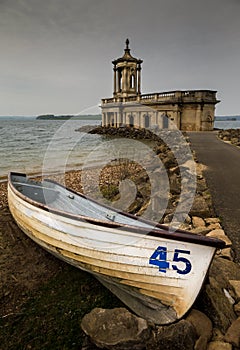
(124, 131)
(118, 329)
(214, 322)
(177, 163)
(230, 135)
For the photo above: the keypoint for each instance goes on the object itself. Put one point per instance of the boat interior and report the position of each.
(57, 197)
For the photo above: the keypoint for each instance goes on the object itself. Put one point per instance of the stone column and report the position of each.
(120, 78)
(124, 80)
(115, 81)
(199, 117)
(125, 118)
(138, 119)
(103, 119)
(127, 81)
(159, 121)
(116, 119)
(139, 79)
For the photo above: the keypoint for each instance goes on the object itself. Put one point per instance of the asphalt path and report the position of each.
(222, 174)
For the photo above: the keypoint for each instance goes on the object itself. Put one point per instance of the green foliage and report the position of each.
(109, 191)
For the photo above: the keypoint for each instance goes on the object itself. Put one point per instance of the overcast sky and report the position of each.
(55, 55)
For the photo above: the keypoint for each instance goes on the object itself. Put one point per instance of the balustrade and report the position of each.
(169, 96)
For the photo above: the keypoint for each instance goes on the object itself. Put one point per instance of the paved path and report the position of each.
(223, 179)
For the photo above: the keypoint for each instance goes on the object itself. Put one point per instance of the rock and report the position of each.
(228, 295)
(231, 135)
(88, 345)
(200, 230)
(201, 186)
(185, 226)
(236, 308)
(168, 219)
(225, 253)
(214, 226)
(236, 287)
(219, 233)
(213, 301)
(224, 270)
(198, 222)
(178, 336)
(200, 207)
(190, 165)
(210, 221)
(234, 140)
(203, 327)
(233, 333)
(169, 161)
(216, 306)
(188, 219)
(217, 335)
(175, 184)
(219, 345)
(116, 329)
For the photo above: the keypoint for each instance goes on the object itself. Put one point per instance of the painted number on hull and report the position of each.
(159, 258)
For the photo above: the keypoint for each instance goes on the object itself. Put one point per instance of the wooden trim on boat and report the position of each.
(157, 231)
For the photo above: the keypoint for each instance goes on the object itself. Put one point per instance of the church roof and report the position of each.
(127, 56)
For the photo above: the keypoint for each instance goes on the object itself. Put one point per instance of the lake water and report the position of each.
(229, 124)
(30, 145)
(35, 146)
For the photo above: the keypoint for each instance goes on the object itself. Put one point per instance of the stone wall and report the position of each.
(189, 110)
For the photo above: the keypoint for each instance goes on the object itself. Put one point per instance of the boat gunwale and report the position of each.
(158, 230)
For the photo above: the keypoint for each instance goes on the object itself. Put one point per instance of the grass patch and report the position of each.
(50, 319)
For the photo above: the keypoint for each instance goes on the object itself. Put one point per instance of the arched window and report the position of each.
(119, 80)
(146, 121)
(131, 120)
(132, 81)
(209, 119)
(165, 121)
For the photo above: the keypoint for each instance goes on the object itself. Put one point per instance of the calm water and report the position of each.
(31, 145)
(230, 124)
(36, 146)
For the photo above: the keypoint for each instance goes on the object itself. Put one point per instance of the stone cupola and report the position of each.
(127, 75)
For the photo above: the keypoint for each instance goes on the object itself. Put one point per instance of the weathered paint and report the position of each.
(105, 252)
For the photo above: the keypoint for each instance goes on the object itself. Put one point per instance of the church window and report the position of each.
(131, 121)
(146, 121)
(119, 80)
(132, 81)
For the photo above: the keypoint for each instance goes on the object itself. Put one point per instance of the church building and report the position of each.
(191, 110)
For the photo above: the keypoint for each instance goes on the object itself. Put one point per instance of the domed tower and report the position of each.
(127, 74)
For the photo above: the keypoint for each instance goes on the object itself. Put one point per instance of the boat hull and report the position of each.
(158, 278)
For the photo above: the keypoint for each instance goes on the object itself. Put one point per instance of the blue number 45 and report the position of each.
(159, 258)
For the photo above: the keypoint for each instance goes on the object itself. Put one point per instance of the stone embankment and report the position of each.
(230, 135)
(214, 321)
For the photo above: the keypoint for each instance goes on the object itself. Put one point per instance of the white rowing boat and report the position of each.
(156, 273)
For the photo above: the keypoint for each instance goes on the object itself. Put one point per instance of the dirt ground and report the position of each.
(23, 265)
(42, 299)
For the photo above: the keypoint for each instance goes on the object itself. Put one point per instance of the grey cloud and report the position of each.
(48, 47)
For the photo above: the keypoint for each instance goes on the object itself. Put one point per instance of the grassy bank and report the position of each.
(51, 316)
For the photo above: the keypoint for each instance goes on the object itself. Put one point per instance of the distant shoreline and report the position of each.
(67, 117)
(225, 118)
